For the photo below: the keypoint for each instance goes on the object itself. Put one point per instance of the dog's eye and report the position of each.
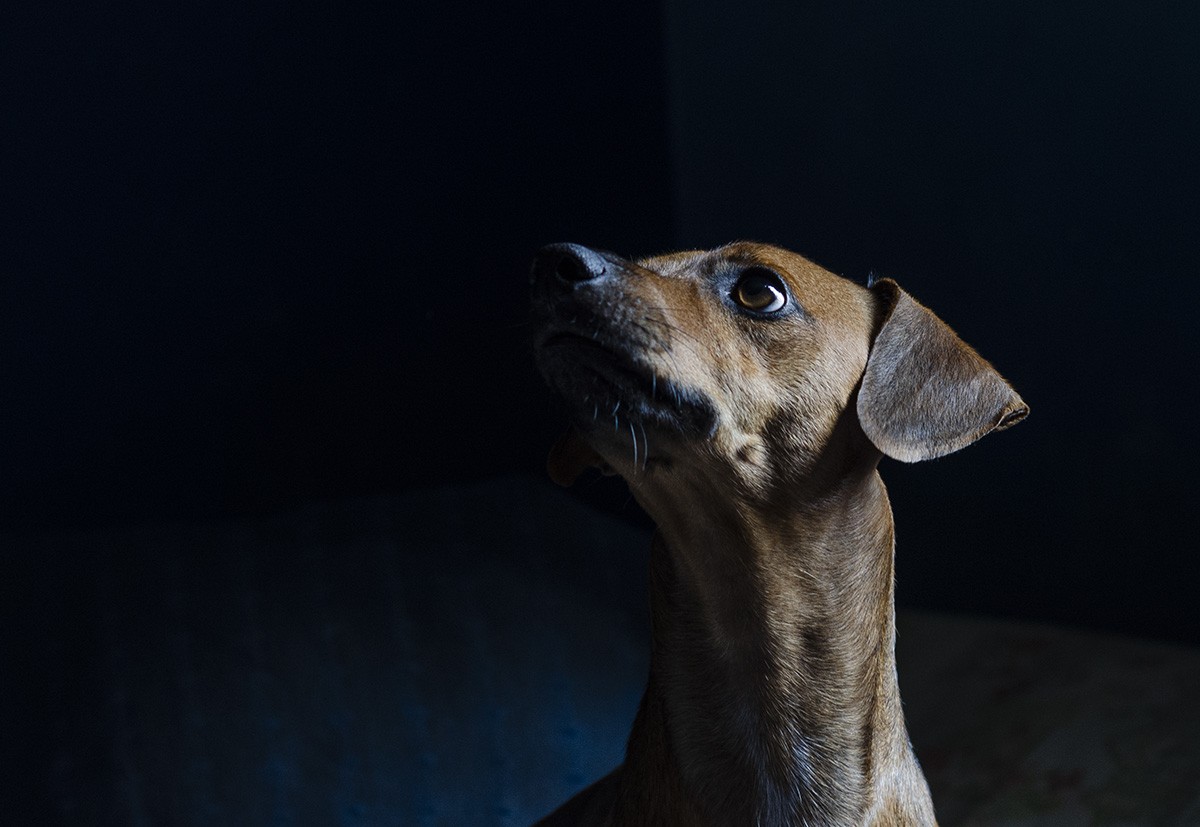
(760, 290)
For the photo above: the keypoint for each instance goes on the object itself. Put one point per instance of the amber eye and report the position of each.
(760, 290)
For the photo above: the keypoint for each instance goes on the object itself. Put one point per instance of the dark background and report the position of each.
(262, 261)
(259, 254)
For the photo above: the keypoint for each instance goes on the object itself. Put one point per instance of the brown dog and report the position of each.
(747, 395)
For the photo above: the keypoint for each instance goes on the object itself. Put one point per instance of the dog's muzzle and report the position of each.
(594, 337)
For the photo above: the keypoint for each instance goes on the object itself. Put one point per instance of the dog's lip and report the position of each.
(648, 396)
(609, 355)
(614, 364)
(574, 337)
(611, 376)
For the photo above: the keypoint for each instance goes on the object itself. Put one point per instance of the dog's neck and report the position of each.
(772, 696)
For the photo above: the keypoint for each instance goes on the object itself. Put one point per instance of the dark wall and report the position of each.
(263, 252)
(1029, 171)
(257, 254)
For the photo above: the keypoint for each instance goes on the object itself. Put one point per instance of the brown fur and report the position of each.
(753, 444)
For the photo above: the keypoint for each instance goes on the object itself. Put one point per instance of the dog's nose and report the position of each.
(569, 263)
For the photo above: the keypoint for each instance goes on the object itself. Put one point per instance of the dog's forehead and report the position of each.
(813, 284)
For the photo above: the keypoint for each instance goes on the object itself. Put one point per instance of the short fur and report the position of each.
(752, 441)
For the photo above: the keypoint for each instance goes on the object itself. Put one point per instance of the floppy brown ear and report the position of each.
(925, 392)
(570, 457)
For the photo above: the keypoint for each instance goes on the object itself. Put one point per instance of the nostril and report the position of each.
(569, 268)
(569, 263)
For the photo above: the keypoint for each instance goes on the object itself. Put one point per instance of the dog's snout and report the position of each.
(568, 263)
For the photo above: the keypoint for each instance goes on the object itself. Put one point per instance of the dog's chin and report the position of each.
(603, 386)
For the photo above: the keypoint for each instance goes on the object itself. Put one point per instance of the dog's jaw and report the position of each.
(608, 384)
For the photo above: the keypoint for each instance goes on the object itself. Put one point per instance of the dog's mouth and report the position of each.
(604, 382)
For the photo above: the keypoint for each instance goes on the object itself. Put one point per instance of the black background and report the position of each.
(259, 253)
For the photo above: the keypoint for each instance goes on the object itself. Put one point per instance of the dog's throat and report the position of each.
(796, 728)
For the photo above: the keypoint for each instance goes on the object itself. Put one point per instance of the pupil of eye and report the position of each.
(758, 291)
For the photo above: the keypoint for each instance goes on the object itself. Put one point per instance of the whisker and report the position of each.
(676, 330)
(682, 336)
(664, 351)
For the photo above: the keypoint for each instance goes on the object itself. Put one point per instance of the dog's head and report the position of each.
(750, 359)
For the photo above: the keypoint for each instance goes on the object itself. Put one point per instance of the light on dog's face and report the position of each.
(775, 342)
(710, 361)
(760, 290)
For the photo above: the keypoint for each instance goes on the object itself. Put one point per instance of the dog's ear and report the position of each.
(925, 392)
(570, 457)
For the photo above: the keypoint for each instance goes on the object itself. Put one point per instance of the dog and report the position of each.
(746, 395)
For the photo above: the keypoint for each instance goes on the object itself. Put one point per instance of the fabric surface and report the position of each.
(1020, 724)
(467, 655)
(472, 655)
